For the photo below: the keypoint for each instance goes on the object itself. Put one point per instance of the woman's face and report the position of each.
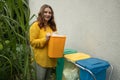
(47, 14)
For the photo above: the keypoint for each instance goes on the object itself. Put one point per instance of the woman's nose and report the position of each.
(48, 13)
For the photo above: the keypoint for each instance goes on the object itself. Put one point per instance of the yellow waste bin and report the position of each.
(70, 71)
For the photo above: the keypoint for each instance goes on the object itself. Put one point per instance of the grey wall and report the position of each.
(91, 26)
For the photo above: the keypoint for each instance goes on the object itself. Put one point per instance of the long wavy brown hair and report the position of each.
(41, 20)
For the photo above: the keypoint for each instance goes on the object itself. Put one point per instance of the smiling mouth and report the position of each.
(47, 17)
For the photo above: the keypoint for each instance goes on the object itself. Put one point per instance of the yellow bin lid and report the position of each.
(76, 56)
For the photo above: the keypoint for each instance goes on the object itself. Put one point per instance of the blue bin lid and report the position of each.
(93, 64)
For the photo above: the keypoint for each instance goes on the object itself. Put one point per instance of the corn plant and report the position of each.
(14, 42)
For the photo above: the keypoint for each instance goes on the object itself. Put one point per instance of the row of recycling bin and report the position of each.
(89, 68)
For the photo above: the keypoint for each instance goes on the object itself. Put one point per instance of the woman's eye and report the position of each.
(47, 12)
(50, 13)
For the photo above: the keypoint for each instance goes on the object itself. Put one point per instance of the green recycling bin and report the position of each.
(60, 64)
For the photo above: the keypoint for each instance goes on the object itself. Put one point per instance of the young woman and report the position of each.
(39, 38)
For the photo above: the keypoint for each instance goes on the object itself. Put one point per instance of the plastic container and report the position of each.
(56, 46)
(60, 63)
(97, 66)
(70, 70)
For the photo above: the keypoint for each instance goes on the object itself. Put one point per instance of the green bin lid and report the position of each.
(69, 51)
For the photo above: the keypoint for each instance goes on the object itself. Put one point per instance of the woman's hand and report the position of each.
(48, 36)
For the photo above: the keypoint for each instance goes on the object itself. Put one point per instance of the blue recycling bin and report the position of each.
(97, 66)
(60, 64)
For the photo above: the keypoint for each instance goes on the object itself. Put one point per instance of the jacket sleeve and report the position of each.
(35, 41)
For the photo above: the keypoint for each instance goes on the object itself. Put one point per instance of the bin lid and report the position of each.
(69, 51)
(76, 56)
(94, 64)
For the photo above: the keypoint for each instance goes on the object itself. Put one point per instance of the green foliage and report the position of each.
(14, 41)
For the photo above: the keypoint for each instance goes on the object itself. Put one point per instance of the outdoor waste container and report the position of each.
(71, 71)
(60, 63)
(97, 66)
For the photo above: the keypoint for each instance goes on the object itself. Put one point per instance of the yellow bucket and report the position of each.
(56, 46)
